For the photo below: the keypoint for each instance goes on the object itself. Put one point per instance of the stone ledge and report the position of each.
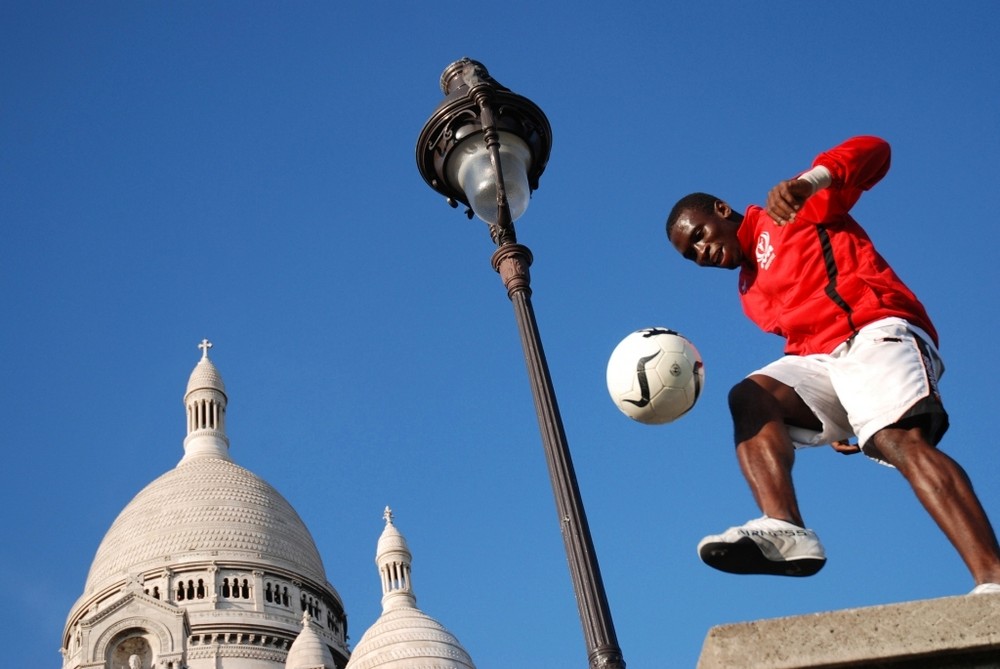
(951, 632)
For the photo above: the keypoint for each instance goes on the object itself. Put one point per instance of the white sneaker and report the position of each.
(986, 589)
(764, 546)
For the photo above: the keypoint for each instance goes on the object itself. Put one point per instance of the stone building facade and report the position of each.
(208, 567)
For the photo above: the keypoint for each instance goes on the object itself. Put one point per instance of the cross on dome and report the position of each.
(204, 346)
(387, 514)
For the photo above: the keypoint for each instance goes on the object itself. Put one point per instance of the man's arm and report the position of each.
(857, 164)
(849, 168)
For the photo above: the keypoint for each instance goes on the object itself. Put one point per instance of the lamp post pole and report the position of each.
(485, 114)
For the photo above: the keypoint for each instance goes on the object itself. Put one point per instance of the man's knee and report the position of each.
(759, 399)
(751, 407)
(901, 444)
(743, 394)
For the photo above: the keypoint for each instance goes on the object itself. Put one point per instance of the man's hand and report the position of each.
(785, 199)
(846, 447)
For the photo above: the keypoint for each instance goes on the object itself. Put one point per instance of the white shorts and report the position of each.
(887, 372)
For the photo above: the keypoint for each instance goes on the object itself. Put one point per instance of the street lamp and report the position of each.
(486, 146)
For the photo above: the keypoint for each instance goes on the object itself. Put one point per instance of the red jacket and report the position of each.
(817, 280)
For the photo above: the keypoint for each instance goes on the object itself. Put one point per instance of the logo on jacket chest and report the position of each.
(764, 250)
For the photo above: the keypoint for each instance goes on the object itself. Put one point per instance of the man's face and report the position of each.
(708, 239)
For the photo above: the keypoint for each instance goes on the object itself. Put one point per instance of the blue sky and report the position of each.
(245, 172)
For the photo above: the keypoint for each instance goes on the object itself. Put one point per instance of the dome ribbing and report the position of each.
(207, 506)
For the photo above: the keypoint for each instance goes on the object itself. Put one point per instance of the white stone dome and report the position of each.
(408, 638)
(202, 509)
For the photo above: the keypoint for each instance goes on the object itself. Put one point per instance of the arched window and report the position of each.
(309, 604)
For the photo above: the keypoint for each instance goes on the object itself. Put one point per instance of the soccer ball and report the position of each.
(655, 375)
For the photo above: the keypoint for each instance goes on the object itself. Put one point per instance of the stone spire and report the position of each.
(404, 637)
(205, 401)
(393, 558)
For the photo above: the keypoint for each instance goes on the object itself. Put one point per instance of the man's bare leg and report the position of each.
(944, 489)
(778, 544)
(760, 408)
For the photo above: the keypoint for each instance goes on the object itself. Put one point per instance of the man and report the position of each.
(861, 360)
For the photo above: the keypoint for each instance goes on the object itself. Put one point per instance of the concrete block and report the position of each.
(951, 632)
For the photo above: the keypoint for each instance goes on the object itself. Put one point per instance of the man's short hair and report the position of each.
(700, 202)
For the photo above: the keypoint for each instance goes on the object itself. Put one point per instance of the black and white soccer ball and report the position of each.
(655, 375)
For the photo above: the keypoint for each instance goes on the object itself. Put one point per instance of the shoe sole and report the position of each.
(744, 557)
